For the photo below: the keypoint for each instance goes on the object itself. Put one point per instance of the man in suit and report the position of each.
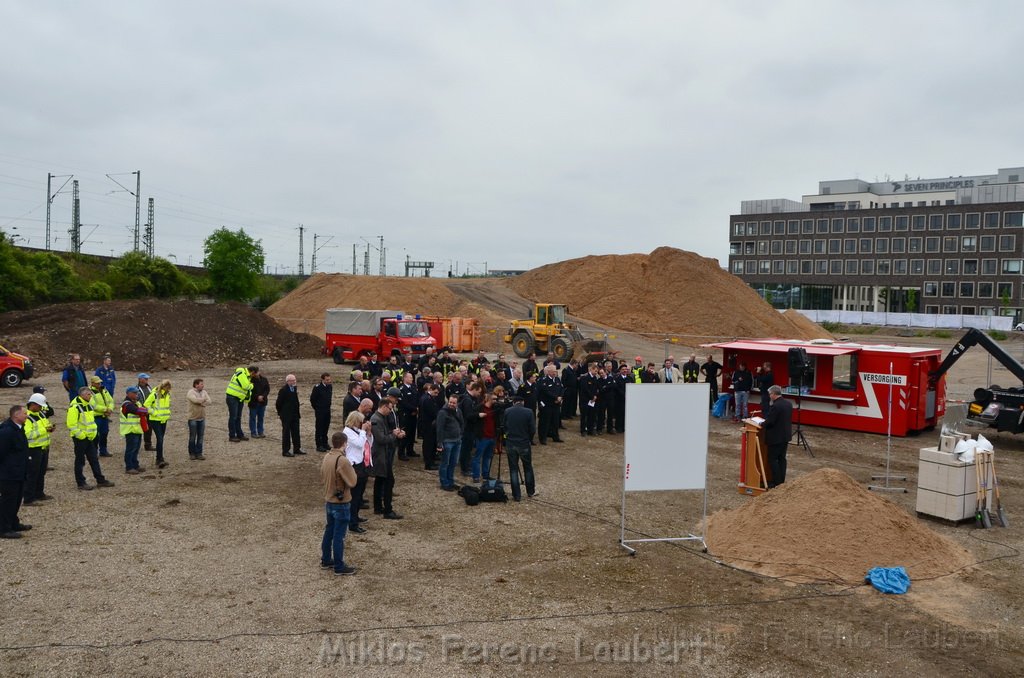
(549, 395)
(287, 406)
(13, 471)
(778, 430)
(320, 398)
(570, 399)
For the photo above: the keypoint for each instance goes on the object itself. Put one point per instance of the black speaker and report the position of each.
(798, 363)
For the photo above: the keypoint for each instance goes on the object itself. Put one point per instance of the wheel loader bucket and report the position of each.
(589, 350)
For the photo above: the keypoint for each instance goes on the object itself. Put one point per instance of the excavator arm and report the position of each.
(973, 338)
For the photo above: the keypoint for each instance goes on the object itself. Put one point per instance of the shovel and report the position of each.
(1000, 513)
(978, 521)
(985, 517)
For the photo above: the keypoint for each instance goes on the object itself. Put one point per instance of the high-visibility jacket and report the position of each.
(637, 371)
(37, 429)
(130, 422)
(81, 420)
(159, 406)
(240, 385)
(102, 402)
(396, 376)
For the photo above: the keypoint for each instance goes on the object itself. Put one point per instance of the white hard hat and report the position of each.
(38, 399)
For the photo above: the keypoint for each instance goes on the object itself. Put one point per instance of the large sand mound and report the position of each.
(668, 291)
(825, 526)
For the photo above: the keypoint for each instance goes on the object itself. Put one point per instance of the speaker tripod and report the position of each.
(798, 435)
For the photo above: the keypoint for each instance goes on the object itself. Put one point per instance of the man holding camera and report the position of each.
(339, 478)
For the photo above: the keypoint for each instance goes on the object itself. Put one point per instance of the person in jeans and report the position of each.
(742, 382)
(198, 400)
(131, 429)
(485, 443)
(520, 427)
(102, 406)
(449, 427)
(258, 405)
(339, 478)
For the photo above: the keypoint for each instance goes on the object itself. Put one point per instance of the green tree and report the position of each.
(136, 275)
(235, 263)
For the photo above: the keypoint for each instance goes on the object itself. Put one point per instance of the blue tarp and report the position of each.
(721, 405)
(889, 579)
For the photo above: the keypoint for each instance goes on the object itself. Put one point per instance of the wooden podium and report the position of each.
(754, 471)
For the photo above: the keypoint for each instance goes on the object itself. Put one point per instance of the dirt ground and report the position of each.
(212, 567)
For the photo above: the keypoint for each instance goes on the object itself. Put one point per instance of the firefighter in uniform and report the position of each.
(549, 398)
(408, 404)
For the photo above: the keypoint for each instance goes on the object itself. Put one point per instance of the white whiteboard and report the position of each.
(666, 436)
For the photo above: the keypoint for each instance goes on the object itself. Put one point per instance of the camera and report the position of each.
(339, 495)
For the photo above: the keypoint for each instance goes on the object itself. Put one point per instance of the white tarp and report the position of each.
(357, 321)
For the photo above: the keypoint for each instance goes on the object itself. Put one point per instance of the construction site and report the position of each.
(208, 567)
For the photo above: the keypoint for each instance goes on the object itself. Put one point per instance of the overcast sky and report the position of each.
(512, 133)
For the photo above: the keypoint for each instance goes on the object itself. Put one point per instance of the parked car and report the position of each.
(14, 368)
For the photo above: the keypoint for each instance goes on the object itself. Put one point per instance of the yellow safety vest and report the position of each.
(396, 376)
(81, 420)
(102, 401)
(240, 385)
(637, 371)
(37, 430)
(130, 422)
(159, 407)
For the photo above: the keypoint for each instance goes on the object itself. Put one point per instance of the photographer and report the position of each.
(339, 478)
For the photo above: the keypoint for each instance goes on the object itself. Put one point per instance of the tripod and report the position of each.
(798, 435)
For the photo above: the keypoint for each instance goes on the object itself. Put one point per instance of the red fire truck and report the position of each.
(859, 387)
(354, 332)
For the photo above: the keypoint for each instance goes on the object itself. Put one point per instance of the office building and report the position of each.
(953, 245)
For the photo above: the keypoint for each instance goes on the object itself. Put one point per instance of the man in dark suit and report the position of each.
(571, 398)
(320, 398)
(778, 430)
(13, 471)
(287, 406)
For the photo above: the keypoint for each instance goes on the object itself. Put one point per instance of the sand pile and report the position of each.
(150, 334)
(667, 291)
(303, 309)
(825, 526)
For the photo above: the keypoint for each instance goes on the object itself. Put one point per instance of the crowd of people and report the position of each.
(462, 412)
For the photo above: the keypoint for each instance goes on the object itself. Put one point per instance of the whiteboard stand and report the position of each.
(658, 459)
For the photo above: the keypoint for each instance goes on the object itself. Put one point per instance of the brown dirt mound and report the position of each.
(151, 334)
(668, 291)
(825, 526)
(303, 309)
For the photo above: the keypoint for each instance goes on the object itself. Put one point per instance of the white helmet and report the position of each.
(38, 399)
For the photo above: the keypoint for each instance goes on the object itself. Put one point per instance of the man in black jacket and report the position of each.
(588, 386)
(448, 428)
(13, 471)
(520, 427)
(549, 398)
(710, 370)
(778, 427)
(351, 402)
(620, 380)
(469, 406)
(287, 406)
(258, 405)
(431, 403)
(320, 398)
(570, 399)
(408, 405)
